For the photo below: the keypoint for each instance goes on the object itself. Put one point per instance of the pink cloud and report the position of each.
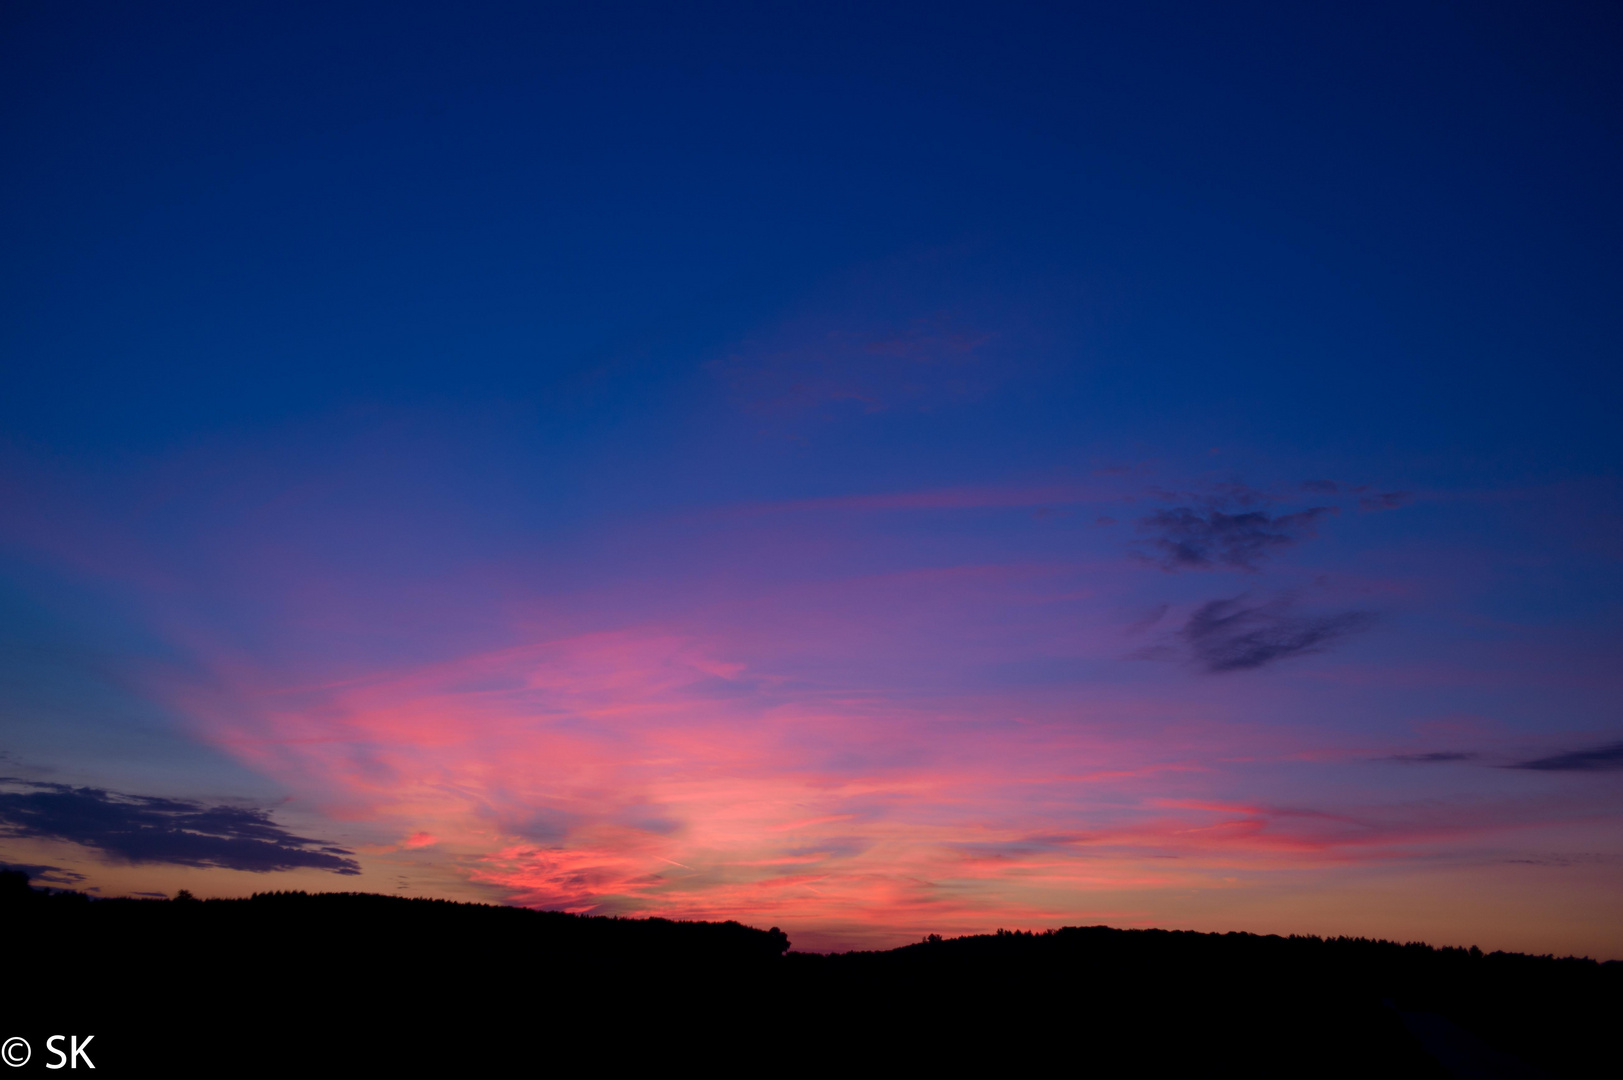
(646, 771)
(827, 721)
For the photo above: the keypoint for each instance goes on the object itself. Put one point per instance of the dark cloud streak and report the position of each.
(1608, 758)
(1439, 757)
(1229, 635)
(1190, 539)
(143, 829)
(50, 875)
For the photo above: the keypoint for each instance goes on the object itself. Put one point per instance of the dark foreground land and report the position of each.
(331, 984)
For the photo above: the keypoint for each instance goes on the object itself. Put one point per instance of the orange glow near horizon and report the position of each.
(641, 773)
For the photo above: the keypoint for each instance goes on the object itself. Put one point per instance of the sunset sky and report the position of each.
(869, 469)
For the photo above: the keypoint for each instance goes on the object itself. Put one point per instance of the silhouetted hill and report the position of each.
(374, 982)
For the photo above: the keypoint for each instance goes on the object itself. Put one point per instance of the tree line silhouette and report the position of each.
(272, 984)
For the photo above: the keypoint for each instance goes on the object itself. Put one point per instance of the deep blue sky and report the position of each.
(1378, 230)
(351, 341)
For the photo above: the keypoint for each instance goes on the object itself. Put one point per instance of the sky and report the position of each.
(869, 469)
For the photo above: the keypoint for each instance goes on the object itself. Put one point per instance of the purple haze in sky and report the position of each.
(862, 473)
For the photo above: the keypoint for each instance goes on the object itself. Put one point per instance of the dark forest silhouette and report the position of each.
(279, 982)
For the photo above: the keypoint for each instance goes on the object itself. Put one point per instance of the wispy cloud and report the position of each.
(1608, 758)
(1385, 500)
(48, 875)
(143, 829)
(1232, 635)
(1185, 538)
(1438, 757)
(859, 717)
